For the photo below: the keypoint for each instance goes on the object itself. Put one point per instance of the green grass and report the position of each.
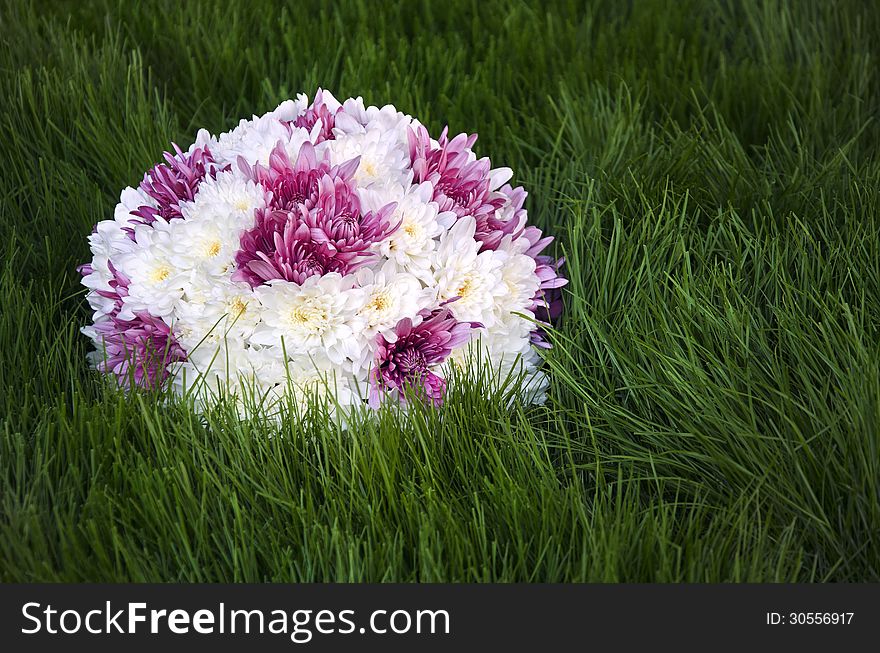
(711, 171)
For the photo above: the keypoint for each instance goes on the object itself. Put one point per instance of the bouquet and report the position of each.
(321, 248)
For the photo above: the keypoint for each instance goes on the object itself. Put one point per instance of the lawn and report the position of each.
(711, 172)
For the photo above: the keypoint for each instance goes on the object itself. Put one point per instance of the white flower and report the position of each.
(506, 354)
(475, 279)
(157, 284)
(203, 246)
(131, 199)
(520, 283)
(412, 245)
(223, 368)
(222, 309)
(229, 198)
(216, 358)
(313, 378)
(382, 160)
(319, 315)
(504, 348)
(356, 118)
(291, 109)
(389, 296)
(510, 339)
(255, 139)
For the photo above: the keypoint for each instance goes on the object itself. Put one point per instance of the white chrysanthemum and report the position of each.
(131, 199)
(206, 247)
(108, 241)
(505, 349)
(258, 380)
(224, 368)
(255, 139)
(382, 160)
(412, 245)
(156, 282)
(213, 311)
(473, 277)
(506, 353)
(218, 358)
(310, 378)
(229, 198)
(207, 237)
(290, 109)
(510, 339)
(319, 315)
(389, 296)
(356, 118)
(519, 281)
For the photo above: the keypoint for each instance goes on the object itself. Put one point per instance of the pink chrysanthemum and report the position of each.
(293, 185)
(466, 187)
(509, 221)
(313, 223)
(405, 360)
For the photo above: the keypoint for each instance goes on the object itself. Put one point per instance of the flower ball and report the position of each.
(324, 247)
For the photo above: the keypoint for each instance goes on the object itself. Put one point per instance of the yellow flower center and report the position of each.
(466, 287)
(379, 301)
(213, 248)
(237, 307)
(307, 316)
(369, 168)
(160, 274)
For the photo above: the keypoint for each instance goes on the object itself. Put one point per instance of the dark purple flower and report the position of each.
(313, 223)
(547, 302)
(405, 361)
(280, 247)
(293, 184)
(173, 182)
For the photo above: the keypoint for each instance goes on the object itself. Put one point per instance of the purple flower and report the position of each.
(292, 184)
(404, 361)
(547, 302)
(313, 223)
(467, 187)
(280, 247)
(173, 182)
(460, 185)
(139, 350)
